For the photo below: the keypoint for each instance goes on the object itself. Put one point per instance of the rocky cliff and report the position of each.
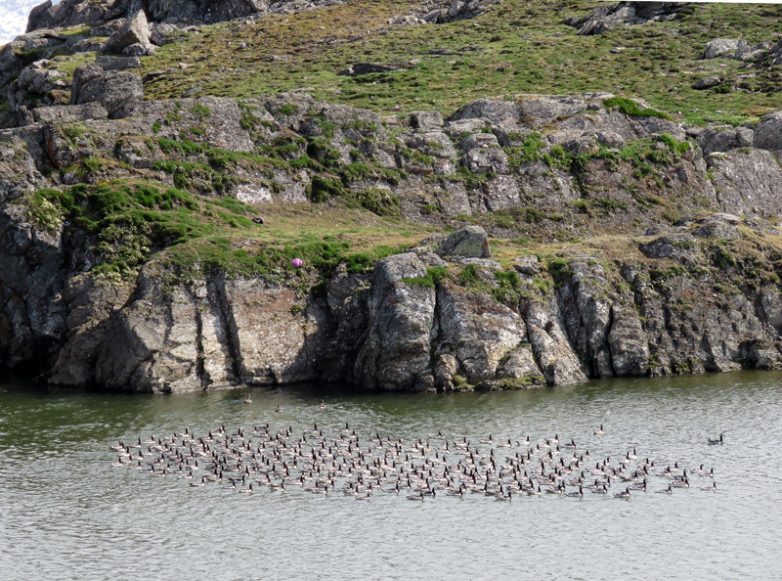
(543, 240)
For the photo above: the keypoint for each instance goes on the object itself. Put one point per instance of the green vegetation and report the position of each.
(201, 111)
(633, 109)
(431, 279)
(133, 223)
(559, 268)
(524, 48)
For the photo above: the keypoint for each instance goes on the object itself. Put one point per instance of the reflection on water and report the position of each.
(66, 513)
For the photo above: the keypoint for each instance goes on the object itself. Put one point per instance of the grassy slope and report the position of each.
(133, 222)
(519, 47)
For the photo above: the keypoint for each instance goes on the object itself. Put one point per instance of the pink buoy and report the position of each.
(297, 262)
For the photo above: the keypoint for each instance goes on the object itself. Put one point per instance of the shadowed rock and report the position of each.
(470, 242)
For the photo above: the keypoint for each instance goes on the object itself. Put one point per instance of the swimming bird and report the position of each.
(715, 441)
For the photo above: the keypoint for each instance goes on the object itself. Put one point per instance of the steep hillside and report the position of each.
(304, 192)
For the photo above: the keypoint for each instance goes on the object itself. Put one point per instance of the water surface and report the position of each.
(66, 513)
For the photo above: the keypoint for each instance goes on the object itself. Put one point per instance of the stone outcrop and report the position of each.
(734, 48)
(470, 242)
(133, 38)
(75, 12)
(687, 300)
(445, 315)
(626, 13)
(119, 92)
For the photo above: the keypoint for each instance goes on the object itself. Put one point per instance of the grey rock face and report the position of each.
(706, 83)
(747, 181)
(725, 138)
(469, 242)
(734, 48)
(118, 91)
(426, 120)
(73, 12)
(441, 11)
(480, 335)
(396, 351)
(70, 113)
(134, 32)
(555, 356)
(399, 328)
(609, 17)
(721, 48)
(768, 134)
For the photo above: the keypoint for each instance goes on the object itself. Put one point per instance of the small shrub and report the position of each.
(201, 111)
(379, 201)
(431, 279)
(288, 109)
(325, 186)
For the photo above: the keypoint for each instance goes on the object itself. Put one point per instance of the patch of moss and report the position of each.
(632, 108)
(377, 200)
(559, 268)
(530, 150)
(431, 279)
(201, 111)
(509, 289)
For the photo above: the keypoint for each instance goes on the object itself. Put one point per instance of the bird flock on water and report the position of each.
(345, 463)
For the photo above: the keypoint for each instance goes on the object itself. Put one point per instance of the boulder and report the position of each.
(776, 53)
(119, 92)
(357, 69)
(537, 111)
(134, 33)
(503, 114)
(678, 246)
(609, 17)
(469, 242)
(74, 12)
(722, 48)
(527, 265)
(118, 63)
(734, 48)
(70, 113)
(707, 83)
(768, 134)
(747, 181)
(483, 154)
(716, 139)
(426, 120)
(451, 10)
(719, 225)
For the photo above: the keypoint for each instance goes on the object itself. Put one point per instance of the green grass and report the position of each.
(523, 47)
(431, 279)
(137, 222)
(633, 109)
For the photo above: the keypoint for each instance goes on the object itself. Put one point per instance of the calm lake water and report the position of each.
(65, 512)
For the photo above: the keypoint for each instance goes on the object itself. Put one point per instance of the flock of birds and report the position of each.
(250, 461)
